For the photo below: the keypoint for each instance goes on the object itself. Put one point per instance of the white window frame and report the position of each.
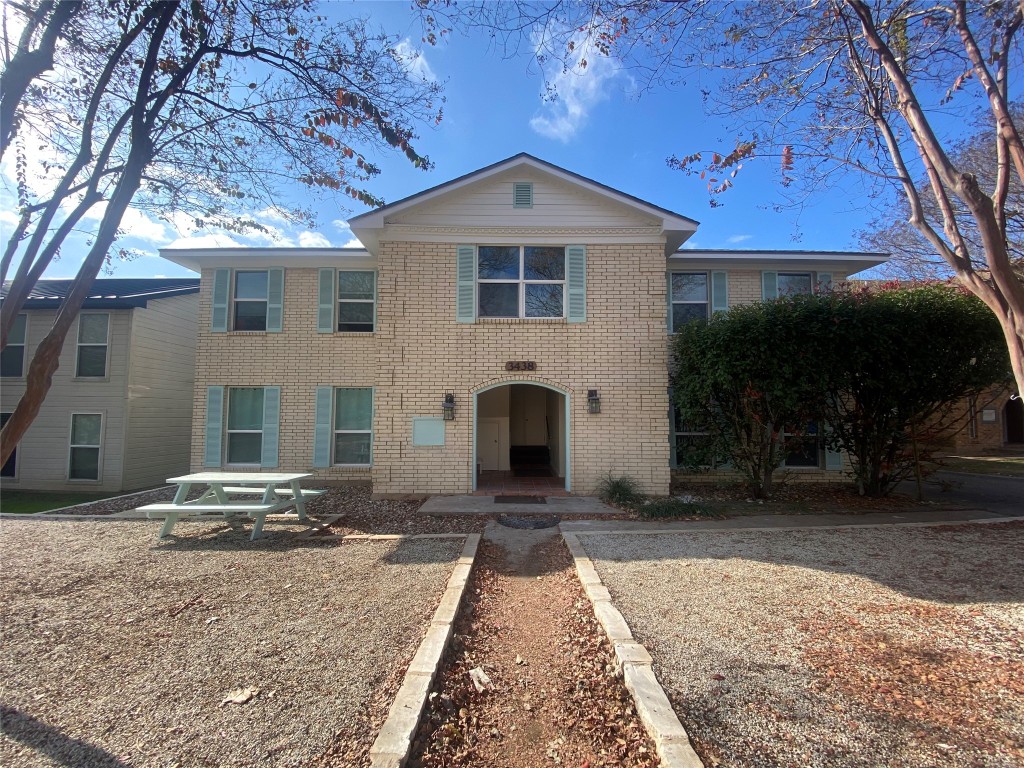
(335, 432)
(672, 302)
(235, 301)
(340, 301)
(23, 344)
(819, 445)
(810, 281)
(99, 447)
(14, 453)
(228, 431)
(521, 284)
(105, 345)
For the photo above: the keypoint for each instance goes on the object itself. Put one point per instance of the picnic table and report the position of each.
(278, 491)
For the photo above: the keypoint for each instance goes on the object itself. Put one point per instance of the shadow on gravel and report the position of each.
(48, 740)
(944, 564)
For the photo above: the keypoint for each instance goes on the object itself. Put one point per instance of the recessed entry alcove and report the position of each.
(522, 440)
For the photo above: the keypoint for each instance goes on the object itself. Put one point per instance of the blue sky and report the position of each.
(599, 127)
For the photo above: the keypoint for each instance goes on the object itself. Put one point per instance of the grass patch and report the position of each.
(622, 491)
(1007, 466)
(671, 507)
(29, 502)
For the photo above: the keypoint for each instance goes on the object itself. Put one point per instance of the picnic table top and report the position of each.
(241, 478)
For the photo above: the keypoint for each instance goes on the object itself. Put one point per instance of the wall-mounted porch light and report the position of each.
(593, 401)
(448, 407)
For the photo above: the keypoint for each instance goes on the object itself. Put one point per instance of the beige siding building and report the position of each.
(511, 326)
(118, 416)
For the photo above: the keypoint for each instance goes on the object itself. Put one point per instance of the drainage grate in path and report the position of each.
(531, 523)
(520, 500)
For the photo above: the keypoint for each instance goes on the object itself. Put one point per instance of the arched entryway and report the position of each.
(521, 439)
(1013, 418)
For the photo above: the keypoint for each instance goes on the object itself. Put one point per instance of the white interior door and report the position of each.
(488, 444)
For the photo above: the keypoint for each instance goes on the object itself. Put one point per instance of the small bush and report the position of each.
(623, 491)
(671, 507)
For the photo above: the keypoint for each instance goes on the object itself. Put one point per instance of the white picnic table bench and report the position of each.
(278, 491)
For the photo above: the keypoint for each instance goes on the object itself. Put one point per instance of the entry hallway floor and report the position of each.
(857, 647)
(119, 650)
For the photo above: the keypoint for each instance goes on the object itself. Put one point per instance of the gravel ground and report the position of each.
(869, 647)
(121, 651)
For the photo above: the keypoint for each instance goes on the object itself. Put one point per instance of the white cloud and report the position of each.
(353, 243)
(309, 239)
(738, 239)
(414, 61)
(691, 245)
(210, 240)
(577, 90)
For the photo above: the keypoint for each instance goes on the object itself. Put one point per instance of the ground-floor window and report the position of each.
(803, 446)
(10, 468)
(86, 439)
(353, 425)
(693, 449)
(245, 425)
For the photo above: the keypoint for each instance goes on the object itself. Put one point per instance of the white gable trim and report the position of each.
(674, 228)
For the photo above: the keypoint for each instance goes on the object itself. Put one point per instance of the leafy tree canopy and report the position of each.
(202, 109)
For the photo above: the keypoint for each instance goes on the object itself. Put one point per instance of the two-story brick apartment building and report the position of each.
(516, 319)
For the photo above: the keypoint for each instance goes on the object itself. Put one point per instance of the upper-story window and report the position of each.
(12, 359)
(689, 297)
(247, 300)
(521, 281)
(93, 333)
(250, 301)
(356, 299)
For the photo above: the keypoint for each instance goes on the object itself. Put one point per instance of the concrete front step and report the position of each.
(469, 506)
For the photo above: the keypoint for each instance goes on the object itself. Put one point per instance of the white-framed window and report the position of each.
(86, 442)
(804, 448)
(692, 449)
(12, 359)
(245, 426)
(689, 298)
(795, 283)
(93, 337)
(250, 300)
(357, 291)
(521, 281)
(353, 426)
(10, 467)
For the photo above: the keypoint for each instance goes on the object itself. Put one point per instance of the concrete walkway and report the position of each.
(563, 506)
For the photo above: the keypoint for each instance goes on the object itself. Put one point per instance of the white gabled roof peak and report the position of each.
(676, 227)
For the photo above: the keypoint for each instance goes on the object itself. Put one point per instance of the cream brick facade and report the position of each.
(419, 351)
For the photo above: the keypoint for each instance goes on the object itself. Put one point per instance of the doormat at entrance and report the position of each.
(529, 523)
(520, 500)
(532, 472)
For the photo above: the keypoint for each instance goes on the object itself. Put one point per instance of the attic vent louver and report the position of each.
(522, 194)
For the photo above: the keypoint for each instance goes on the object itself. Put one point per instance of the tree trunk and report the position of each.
(46, 359)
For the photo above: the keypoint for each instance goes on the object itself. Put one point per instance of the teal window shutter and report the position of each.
(328, 298)
(214, 426)
(221, 292)
(719, 291)
(322, 429)
(576, 282)
(465, 299)
(275, 299)
(824, 282)
(833, 459)
(271, 426)
(769, 285)
(668, 302)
